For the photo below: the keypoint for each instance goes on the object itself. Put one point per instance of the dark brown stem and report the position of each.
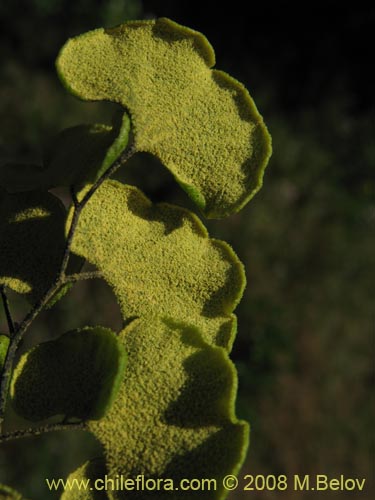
(7, 310)
(59, 282)
(80, 204)
(74, 278)
(37, 431)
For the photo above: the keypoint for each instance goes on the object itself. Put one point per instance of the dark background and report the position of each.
(305, 346)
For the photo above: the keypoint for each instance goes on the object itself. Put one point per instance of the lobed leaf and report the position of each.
(201, 123)
(77, 375)
(174, 415)
(32, 241)
(78, 155)
(160, 261)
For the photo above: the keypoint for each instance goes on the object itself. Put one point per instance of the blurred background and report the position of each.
(306, 341)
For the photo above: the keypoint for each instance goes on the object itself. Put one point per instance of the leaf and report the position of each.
(201, 123)
(4, 344)
(174, 415)
(85, 476)
(32, 241)
(159, 260)
(7, 493)
(78, 155)
(82, 154)
(77, 375)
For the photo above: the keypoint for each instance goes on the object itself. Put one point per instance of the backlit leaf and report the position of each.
(159, 260)
(174, 415)
(77, 375)
(201, 123)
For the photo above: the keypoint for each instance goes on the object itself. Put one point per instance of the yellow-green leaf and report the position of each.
(82, 482)
(174, 415)
(32, 241)
(159, 260)
(201, 123)
(78, 155)
(7, 493)
(77, 375)
(4, 344)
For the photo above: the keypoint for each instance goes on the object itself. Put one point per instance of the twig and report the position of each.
(60, 280)
(73, 278)
(7, 310)
(37, 431)
(73, 196)
(79, 205)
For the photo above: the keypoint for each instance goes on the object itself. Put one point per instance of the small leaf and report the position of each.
(174, 415)
(86, 475)
(201, 123)
(81, 154)
(77, 375)
(4, 344)
(32, 241)
(78, 155)
(7, 493)
(159, 260)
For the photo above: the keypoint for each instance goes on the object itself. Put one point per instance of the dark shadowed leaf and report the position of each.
(77, 375)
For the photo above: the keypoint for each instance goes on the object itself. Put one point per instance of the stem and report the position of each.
(73, 278)
(37, 431)
(60, 280)
(79, 205)
(7, 310)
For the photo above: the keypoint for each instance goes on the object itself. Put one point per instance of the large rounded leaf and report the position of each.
(201, 123)
(174, 415)
(159, 260)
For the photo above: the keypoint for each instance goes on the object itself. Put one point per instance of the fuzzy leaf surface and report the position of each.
(77, 375)
(159, 260)
(174, 415)
(4, 344)
(201, 123)
(92, 470)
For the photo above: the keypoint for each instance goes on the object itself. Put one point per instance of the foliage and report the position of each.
(141, 65)
(171, 411)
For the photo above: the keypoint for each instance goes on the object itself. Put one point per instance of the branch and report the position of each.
(73, 278)
(79, 205)
(7, 310)
(37, 431)
(60, 280)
